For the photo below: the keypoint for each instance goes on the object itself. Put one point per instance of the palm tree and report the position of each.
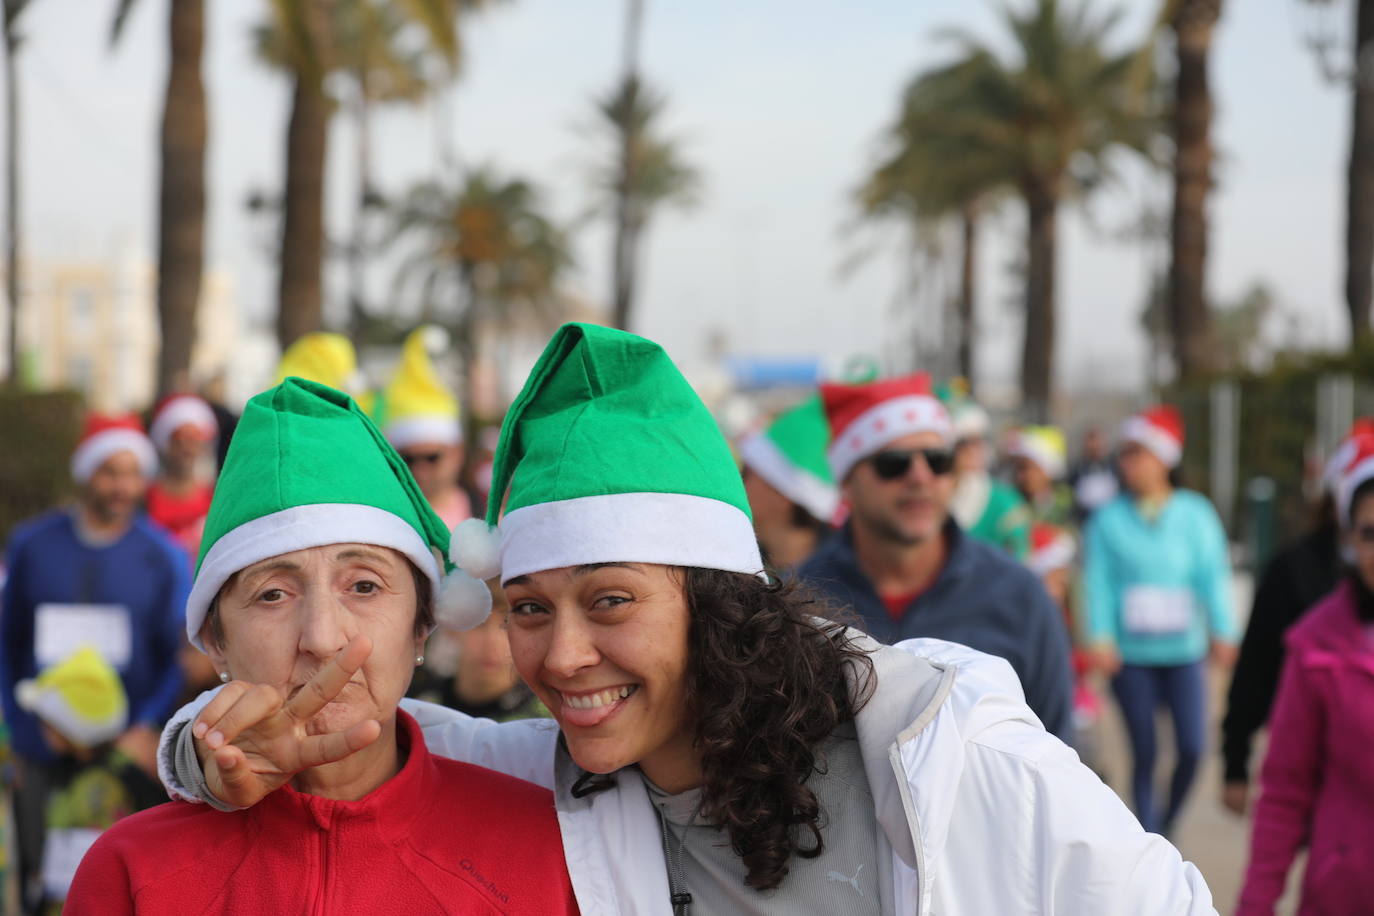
(484, 248)
(1061, 99)
(181, 195)
(303, 39)
(934, 173)
(12, 10)
(1190, 317)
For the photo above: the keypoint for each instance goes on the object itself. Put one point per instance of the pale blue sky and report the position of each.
(780, 104)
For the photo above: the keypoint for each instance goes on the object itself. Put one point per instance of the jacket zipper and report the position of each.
(321, 872)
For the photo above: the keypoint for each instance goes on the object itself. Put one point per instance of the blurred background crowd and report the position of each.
(1127, 246)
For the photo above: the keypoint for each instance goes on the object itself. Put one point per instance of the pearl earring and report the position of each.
(419, 660)
(224, 677)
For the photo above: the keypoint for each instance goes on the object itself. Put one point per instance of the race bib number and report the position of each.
(1157, 610)
(61, 629)
(63, 850)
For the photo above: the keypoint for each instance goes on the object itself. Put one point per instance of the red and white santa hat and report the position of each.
(1159, 429)
(864, 418)
(178, 410)
(1358, 469)
(106, 435)
(1051, 548)
(1341, 457)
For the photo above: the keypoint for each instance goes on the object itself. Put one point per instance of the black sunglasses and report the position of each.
(890, 465)
(413, 458)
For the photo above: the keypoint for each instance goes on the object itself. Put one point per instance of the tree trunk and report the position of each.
(624, 248)
(300, 290)
(357, 248)
(1359, 233)
(181, 202)
(968, 278)
(13, 286)
(1190, 319)
(1037, 354)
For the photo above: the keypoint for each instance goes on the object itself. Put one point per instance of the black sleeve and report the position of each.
(1256, 675)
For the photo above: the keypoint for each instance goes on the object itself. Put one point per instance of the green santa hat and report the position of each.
(608, 455)
(791, 455)
(307, 468)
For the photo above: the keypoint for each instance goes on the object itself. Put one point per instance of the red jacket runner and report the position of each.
(439, 837)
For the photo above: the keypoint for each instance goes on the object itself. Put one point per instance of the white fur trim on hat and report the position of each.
(294, 529)
(1057, 555)
(1164, 446)
(1350, 482)
(424, 430)
(179, 412)
(671, 529)
(807, 490)
(1032, 449)
(1336, 464)
(884, 422)
(94, 452)
(48, 704)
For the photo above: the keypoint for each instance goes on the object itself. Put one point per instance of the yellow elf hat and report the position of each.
(325, 358)
(419, 406)
(80, 697)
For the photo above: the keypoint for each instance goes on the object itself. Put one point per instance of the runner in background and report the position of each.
(81, 708)
(1038, 458)
(1317, 785)
(418, 414)
(984, 506)
(1093, 477)
(1296, 578)
(790, 488)
(184, 429)
(1157, 581)
(100, 573)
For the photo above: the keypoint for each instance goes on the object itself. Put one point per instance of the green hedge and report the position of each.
(39, 430)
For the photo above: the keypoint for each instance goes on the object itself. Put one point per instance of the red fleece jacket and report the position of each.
(439, 837)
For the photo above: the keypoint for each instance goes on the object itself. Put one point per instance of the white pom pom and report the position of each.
(27, 693)
(476, 548)
(463, 602)
(435, 339)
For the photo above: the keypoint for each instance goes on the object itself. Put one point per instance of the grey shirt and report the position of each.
(844, 878)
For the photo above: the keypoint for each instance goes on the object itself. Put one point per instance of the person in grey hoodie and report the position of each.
(904, 566)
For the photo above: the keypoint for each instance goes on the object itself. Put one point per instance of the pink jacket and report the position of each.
(1317, 785)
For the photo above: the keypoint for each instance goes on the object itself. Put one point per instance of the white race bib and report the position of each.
(1157, 610)
(61, 629)
(63, 850)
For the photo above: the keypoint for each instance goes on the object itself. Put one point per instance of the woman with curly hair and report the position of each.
(721, 747)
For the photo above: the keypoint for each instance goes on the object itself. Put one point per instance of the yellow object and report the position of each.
(322, 357)
(80, 697)
(419, 406)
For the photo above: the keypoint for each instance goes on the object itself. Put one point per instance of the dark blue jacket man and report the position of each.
(905, 568)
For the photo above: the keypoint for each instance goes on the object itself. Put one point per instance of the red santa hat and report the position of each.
(178, 410)
(1341, 457)
(106, 435)
(1051, 548)
(864, 418)
(1159, 429)
(1358, 469)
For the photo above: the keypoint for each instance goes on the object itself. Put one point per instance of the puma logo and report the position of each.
(845, 879)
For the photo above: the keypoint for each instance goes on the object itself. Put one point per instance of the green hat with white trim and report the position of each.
(608, 455)
(307, 468)
(791, 455)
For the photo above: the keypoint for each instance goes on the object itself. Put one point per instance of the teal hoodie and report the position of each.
(1158, 589)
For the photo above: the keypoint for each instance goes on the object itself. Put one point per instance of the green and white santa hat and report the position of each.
(307, 468)
(607, 455)
(791, 455)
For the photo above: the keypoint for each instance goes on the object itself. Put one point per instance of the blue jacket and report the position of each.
(1158, 589)
(144, 571)
(982, 598)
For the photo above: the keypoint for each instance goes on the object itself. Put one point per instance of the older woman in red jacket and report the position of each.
(1317, 784)
(315, 590)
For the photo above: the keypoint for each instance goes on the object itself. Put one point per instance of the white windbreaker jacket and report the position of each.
(983, 813)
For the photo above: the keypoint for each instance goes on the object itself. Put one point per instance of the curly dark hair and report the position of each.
(768, 680)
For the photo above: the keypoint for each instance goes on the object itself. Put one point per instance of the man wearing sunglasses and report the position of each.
(903, 564)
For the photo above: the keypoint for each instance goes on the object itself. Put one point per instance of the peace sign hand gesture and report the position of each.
(250, 740)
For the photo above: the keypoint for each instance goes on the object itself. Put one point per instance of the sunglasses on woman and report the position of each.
(893, 464)
(413, 458)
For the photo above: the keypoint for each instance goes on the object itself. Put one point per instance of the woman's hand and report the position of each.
(1105, 658)
(251, 740)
